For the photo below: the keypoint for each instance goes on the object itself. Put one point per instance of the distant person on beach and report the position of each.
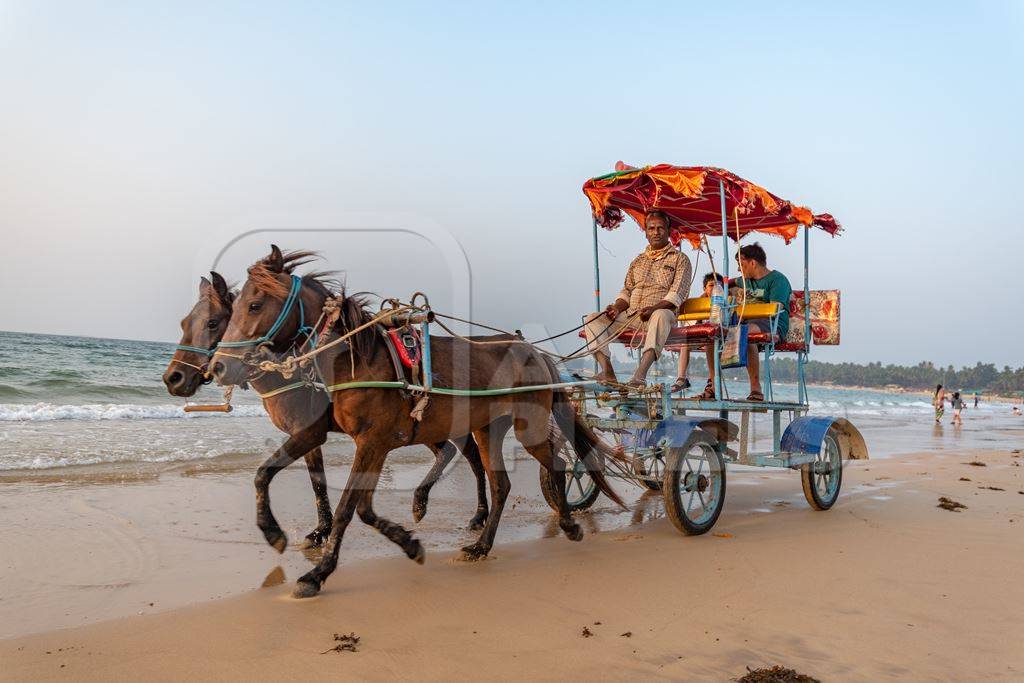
(761, 285)
(684, 355)
(975, 399)
(657, 282)
(939, 401)
(958, 406)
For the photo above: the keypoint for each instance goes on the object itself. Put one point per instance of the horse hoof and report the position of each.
(417, 554)
(314, 539)
(473, 553)
(574, 533)
(305, 589)
(277, 539)
(477, 523)
(418, 512)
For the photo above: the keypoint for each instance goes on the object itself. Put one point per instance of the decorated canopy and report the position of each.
(690, 197)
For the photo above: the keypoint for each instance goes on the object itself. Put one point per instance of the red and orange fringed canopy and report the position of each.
(690, 197)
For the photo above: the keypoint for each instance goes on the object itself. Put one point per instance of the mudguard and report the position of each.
(674, 432)
(806, 435)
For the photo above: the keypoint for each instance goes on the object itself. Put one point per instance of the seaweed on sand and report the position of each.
(775, 674)
(950, 504)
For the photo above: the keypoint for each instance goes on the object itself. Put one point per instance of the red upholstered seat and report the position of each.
(758, 337)
(681, 337)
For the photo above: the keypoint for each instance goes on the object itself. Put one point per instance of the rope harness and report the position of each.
(398, 314)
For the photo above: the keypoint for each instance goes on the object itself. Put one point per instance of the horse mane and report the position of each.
(354, 310)
(264, 277)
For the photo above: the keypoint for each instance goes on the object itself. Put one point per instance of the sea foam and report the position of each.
(38, 412)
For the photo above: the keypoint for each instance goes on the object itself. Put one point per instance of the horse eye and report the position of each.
(212, 324)
(254, 306)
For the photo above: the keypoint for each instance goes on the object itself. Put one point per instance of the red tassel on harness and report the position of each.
(410, 350)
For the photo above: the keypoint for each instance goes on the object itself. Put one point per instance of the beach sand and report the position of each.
(884, 585)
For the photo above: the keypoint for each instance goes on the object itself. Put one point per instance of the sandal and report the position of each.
(635, 383)
(680, 384)
(709, 391)
(755, 396)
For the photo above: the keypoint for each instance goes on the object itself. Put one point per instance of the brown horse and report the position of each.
(297, 411)
(379, 420)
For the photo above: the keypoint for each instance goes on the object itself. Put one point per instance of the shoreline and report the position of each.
(747, 594)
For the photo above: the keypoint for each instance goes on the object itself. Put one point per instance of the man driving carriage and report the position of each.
(656, 284)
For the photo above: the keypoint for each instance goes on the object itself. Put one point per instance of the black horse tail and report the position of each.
(588, 446)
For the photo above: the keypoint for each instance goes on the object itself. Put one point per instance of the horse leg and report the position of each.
(544, 453)
(365, 472)
(488, 440)
(315, 465)
(395, 533)
(443, 454)
(472, 454)
(295, 446)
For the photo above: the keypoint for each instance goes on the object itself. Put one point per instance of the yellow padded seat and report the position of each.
(696, 309)
(759, 311)
(700, 309)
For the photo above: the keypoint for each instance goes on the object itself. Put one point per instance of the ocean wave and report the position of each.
(44, 389)
(39, 412)
(47, 462)
(7, 391)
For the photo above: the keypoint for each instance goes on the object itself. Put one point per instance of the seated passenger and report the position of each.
(684, 355)
(760, 286)
(656, 285)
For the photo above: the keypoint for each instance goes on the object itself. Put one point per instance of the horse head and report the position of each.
(274, 310)
(201, 330)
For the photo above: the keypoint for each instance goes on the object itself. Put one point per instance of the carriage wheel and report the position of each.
(580, 489)
(823, 478)
(653, 467)
(694, 486)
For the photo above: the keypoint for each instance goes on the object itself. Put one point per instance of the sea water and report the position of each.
(73, 401)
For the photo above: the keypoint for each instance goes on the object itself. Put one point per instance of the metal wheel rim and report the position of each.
(700, 484)
(578, 483)
(826, 465)
(654, 466)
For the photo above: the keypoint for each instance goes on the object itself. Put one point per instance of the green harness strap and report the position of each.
(281, 390)
(454, 392)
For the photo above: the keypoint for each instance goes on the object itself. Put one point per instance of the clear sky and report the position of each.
(136, 138)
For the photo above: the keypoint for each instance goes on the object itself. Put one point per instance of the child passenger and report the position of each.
(682, 382)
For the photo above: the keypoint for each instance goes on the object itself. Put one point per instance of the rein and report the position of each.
(444, 391)
(194, 349)
(289, 304)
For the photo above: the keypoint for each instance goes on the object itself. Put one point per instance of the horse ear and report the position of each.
(219, 285)
(204, 284)
(276, 259)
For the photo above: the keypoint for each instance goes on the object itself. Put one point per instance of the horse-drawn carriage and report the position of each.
(681, 446)
(325, 361)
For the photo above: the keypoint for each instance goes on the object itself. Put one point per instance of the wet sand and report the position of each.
(885, 585)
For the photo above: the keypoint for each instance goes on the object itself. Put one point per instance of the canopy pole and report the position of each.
(597, 289)
(807, 312)
(725, 232)
(719, 380)
(597, 273)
